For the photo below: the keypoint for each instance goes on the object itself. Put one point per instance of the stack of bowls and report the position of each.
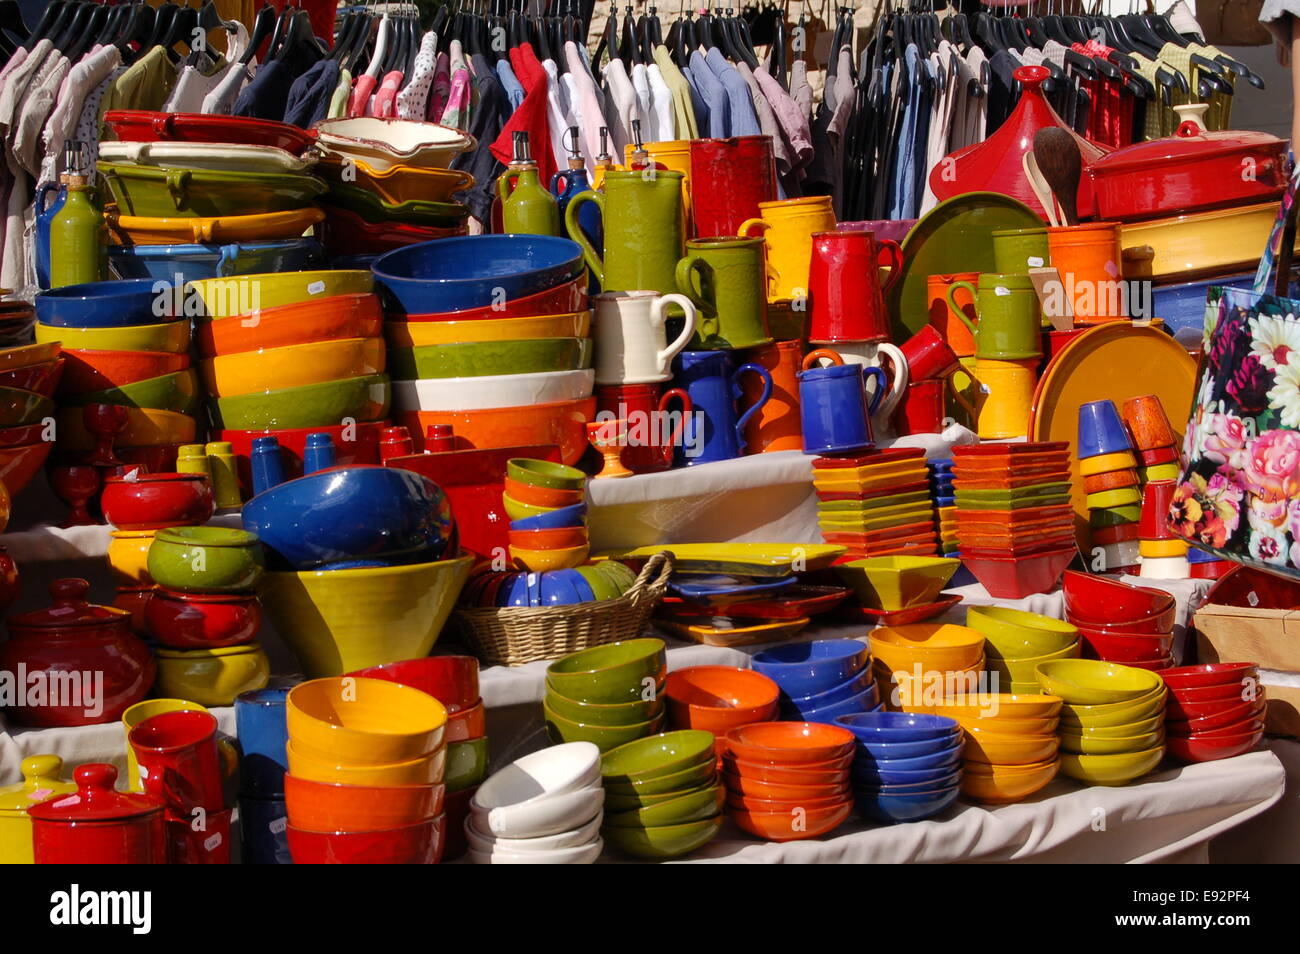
(366, 764)
(1096, 693)
(718, 699)
(545, 808)
(1118, 622)
(820, 680)
(945, 504)
(891, 584)
(788, 780)
(662, 794)
(1015, 642)
(910, 661)
(1215, 711)
(605, 580)
(906, 767)
(206, 620)
(1011, 747)
(462, 279)
(1111, 481)
(16, 317)
(876, 504)
(29, 375)
(609, 695)
(124, 343)
(548, 525)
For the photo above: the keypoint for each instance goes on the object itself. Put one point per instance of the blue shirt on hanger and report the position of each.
(744, 120)
(510, 83)
(698, 102)
(714, 94)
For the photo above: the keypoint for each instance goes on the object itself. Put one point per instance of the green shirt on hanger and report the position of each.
(683, 111)
(145, 84)
(339, 100)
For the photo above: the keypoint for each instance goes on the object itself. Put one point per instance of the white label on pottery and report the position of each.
(278, 826)
(1035, 261)
(212, 841)
(1002, 291)
(144, 772)
(1252, 598)
(315, 288)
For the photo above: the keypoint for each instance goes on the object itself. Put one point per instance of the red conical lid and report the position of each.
(70, 608)
(95, 799)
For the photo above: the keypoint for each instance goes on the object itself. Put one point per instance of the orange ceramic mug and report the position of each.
(952, 330)
(1087, 257)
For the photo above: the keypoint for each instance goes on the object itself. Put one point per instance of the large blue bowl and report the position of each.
(139, 301)
(892, 809)
(552, 588)
(572, 516)
(866, 762)
(194, 263)
(863, 701)
(452, 274)
(897, 726)
(864, 774)
(850, 687)
(806, 669)
(351, 513)
(911, 750)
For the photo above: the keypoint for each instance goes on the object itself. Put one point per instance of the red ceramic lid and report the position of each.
(95, 799)
(137, 125)
(202, 597)
(139, 475)
(1189, 142)
(70, 609)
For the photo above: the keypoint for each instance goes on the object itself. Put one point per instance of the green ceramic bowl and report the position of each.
(472, 359)
(545, 473)
(19, 407)
(1017, 634)
(615, 672)
(702, 773)
(422, 212)
(311, 405)
(604, 737)
(622, 574)
(588, 713)
(618, 803)
(1115, 516)
(205, 559)
(170, 192)
(658, 755)
(170, 392)
(170, 336)
(695, 806)
(467, 764)
(669, 841)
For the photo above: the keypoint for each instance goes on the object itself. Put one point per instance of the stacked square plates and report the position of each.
(876, 504)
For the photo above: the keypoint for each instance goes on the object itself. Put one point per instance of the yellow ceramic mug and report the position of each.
(1004, 392)
(42, 781)
(137, 713)
(788, 225)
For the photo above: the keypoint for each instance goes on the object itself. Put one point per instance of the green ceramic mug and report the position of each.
(1016, 251)
(724, 277)
(641, 213)
(1007, 326)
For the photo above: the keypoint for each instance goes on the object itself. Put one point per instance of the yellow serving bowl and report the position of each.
(1009, 727)
(128, 556)
(990, 706)
(245, 294)
(416, 334)
(362, 721)
(936, 646)
(292, 366)
(426, 770)
(1001, 784)
(1016, 634)
(1025, 671)
(211, 677)
(1200, 243)
(1091, 745)
(1116, 713)
(145, 427)
(262, 227)
(172, 337)
(1124, 730)
(1091, 682)
(399, 183)
(1010, 749)
(1117, 769)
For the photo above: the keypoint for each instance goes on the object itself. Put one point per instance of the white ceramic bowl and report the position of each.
(540, 815)
(383, 143)
(492, 390)
(1165, 568)
(552, 771)
(222, 157)
(580, 855)
(480, 841)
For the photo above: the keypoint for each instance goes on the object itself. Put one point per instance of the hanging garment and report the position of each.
(661, 105)
(743, 119)
(338, 107)
(194, 86)
(38, 102)
(529, 117)
(801, 90)
(684, 120)
(266, 96)
(488, 119)
(93, 69)
(456, 112)
(413, 101)
(558, 119)
(221, 101)
(88, 126)
(383, 104)
(363, 87)
(310, 94)
(641, 86)
(621, 98)
(509, 82)
(145, 84)
(767, 122)
(714, 94)
(698, 104)
(589, 105)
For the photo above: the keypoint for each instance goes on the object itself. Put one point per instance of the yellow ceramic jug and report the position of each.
(1004, 392)
(788, 225)
(42, 781)
(674, 154)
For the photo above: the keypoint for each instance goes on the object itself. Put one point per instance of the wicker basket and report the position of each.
(514, 635)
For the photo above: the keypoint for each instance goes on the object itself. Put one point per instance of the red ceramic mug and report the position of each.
(179, 760)
(922, 409)
(649, 448)
(846, 297)
(203, 840)
(1154, 521)
(1147, 423)
(929, 356)
(729, 178)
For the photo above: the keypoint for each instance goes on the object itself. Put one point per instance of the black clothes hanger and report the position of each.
(11, 20)
(78, 19)
(607, 39)
(89, 34)
(264, 23)
(51, 16)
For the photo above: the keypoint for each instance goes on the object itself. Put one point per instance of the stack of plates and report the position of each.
(876, 504)
(945, 505)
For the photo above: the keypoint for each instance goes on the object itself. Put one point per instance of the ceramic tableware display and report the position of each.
(718, 699)
(1164, 555)
(41, 782)
(544, 500)
(879, 354)
(631, 343)
(906, 767)
(641, 215)
(714, 432)
(653, 429)
(846, 297)
(821, 679)
(945, 503)
(730, 180)
(1119, 622)
(609, 695)
(1006, 327)
(788, 226)
(1087, 257)
(1214, 711)
(910, 659)
(943, 319)
(1112, 483)
(835, 416)
(1016, 251)
(1153, 437)
(724, 277)
(98, 825)
(1016, 641)
(1004, 392)
(877, 504)
(776, 426)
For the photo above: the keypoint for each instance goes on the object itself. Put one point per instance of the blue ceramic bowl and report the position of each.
(1101, 430)
(552, 588)
(351, 513)
(140, 301)
(806, 669)
(897, 726)
(850, 687)
(911, 750)
(864, 701)
(867, 762)
(573, 516)
(452, 274)
(194, 263)
(893, 809)
(866, 775)
(952, 778)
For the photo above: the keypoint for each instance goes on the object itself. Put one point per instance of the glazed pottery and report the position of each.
(172, 337)
(653, 430)
(140, 501)
(713, 431)
(835, 416)
(1016, 251)
(292, 366)
(613, 673)
(631, 342)
(150, 126)
(325, 405)
(846, 298)
(729, 180)
(383, 143)
(1006, 327)
(212, 677)
(268, 226)
(177, 392)
(896, 582)
(337, 317)
(1004, 396)
(41, 782)
(105, 305)
(250, 295)
(194, 263)
(202, 620)
(482, 358)
(142, 190)
(179, 761)
(559, 423)
(724, 278)
(263, 735)
(361, 721)
(205, 559)
(417, 844)
(412, 334)
(788, 226)
(488, 392)
(98, 825)
(641, 217)
(143, 427)
(1088, 259)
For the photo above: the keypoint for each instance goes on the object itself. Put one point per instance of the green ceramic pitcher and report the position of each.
(641, 213)
(725, 279)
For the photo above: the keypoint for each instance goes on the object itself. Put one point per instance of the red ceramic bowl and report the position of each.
(1244, 586)
(1098, 600)
(562, 423)
(322, 806)
(1154, 665)
(467, 724)
(1123, 648)
(560, 300)
(1243, 712)
(418, 844)
(780, 827)
(42, 378)
(556, 538)
(829, 772)
(1014, 579)
(363, 448)
(21, 435)
(718, 699)
(1229, 690)
(346, 233)
(785, 743)
(155, 501)
(1200, 749)
(138, 125)
(541, 496)
(135, 600)
(202, 620)
(10, 584)
(1209, 674)
(749, 803)
(1237, 728)
(330, 319)
(96, 370)
(18, 465)
(452, 680)
(1178, 710)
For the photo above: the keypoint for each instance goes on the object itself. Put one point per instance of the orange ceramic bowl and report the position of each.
(562, 423)
(23, 356)
(536, 496)
(96, 370)
(18, 465)
(779, 826)
(749, 803)
(42, 378)
(330, 319)
(831, 772)
(784, 791)
(782, 743)
(555, 538)
(718, 699)
(325, 806)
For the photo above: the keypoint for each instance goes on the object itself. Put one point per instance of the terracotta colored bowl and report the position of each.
(784, 791)
(42, 378)
(88, 371)
(536, 496)
(779, 826)
(18, 465)
(1202, 749)
(784, 743)
(829, 772)
(330, 319)
(749, 803)
(563, 423)
(719, 698)
(321, 806)
(155, 501)
(555, 538)
(418, 844)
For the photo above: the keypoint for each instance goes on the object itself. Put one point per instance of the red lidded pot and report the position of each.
(98, 825)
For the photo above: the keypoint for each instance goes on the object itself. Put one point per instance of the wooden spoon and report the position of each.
(1042, 191)
(1057, 155)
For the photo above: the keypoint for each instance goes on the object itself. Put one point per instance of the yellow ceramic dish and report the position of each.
(246, 294)
(741, 559)
(361, 721)
(1116, 713)
(1010, 749)
(1091, 682)
(337, 621)
(427, 770)
(1005, 784)
(136, 714)
(265, 227)
(1104, 463)
(292, 366)
(145, 427)
(128, 556)
(1091, 745)
(1162, 548)
(1016, 634)
(171, 336)
(992, 706)
(1004, 727)
(42, 781)
(24, 356)
(719, 632)
(398, 183)
(1122, 731)
(1118, 769)
(540, 561)
(212, 677)
(936, 646)
(1199, 244)
(1119, 497)
(417, 334)
(1025, 671)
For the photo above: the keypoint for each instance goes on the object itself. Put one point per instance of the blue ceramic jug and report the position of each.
(44, 216)
(263, 734)
(713, 432)
(833, 408)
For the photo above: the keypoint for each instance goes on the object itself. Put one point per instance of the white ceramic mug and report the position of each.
(631, 342)
(868, 354)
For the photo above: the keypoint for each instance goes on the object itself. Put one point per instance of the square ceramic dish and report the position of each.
(875, 457)
(876, 504)
(737, 631)
(738, 559)
(907, 488)
(1013, 481)
(894, 583)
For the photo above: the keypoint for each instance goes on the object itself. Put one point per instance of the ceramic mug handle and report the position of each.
(227, 260)
(687, 407)
(952, 304)
(736, 392)
(561, 176)
(594, 261)
(882, 385)
(659, 315)
(812, 357)
(773, 276)
(901, 377)
(893, 261)
(687, 272)
(959, 397)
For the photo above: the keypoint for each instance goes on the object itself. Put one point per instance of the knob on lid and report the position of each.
(96, 799)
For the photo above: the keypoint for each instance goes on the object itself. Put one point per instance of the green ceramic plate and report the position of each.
(473, 359)
(876, 505)
(169, 392)
(1015, 493)
(954, 236)
(167, 191)
(411, 212)
(1023, 504)
(312, 405)
(670, 841)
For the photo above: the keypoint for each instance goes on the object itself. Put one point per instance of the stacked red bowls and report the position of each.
(1118, 622)
(1215, 711)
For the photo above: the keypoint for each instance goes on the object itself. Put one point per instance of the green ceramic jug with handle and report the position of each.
(641, 213)
(726, 279)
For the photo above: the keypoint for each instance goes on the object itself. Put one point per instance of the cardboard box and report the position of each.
(1268, 637)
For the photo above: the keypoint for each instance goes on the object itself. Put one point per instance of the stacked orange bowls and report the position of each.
(718, 699)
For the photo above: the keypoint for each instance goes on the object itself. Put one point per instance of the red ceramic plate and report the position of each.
(902, 617)
(890, 456)
(1209, 674)
(873, 494)
(132, 125)
(792, 603)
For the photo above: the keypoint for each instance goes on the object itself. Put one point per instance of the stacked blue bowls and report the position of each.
(906, 767)
(822, 680)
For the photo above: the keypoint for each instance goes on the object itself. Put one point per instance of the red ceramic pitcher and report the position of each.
(846, 298)
(649, 448)
(729, 178)
(98, 825)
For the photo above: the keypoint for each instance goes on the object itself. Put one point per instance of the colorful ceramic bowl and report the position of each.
(363, 399)
(605, 737)
(426, 770)
(1016, 634)
(157, 192)
(211, 677)
(896, 582)
(789, 742)
(415, 334)
(658, 756)
(936, 646)
(292, 366)
(330, 319)
(324, 806)
(805, 669)
(252, 294)
(144, 427)
(1114, 769)
(153, 501)
(480, 358)
(260, 227)
(1091, 682)
(172, 337)
(178, 392)
(87, 371)
(398, 183)
(467, 763)
(205, 559)
(105, 304)
(384, 143)
(24, 356)
(612, 673)
(604, 714)
(202, 620)
(363, 721)
(562, 423)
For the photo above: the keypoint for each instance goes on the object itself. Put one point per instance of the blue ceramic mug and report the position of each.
(833, 406)
(264, 831)
(263, 735)
(713, 432)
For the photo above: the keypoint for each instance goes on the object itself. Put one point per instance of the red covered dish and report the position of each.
(138, 125)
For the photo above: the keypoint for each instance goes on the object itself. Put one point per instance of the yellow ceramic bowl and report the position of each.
(136, 714)
(1091, 745)
(426, 770)
(1158, 549)
(896, 582)
(539, 561)
(246, 294)
(361, 721)
(993, 706)
(1009, 727)
(172, 337)
(936, 646)
(1010, 749)
(1016, 634)
(128, 556)
(1124, 730)
(517, 511)
(1116, 713)
(1003, 784)
(1091, 682)
(145, 427)
(1118, 769)
(211, 677)
(901, 684)
(1199, 243)
(337, 621)
(416, 334)
(292, 366)
(399, 183)
(1025, 671)
(263, 227)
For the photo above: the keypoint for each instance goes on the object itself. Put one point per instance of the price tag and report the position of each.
(315, 288)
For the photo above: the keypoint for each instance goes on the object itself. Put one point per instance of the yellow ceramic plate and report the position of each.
(740, 559)
(172, 337)
(1114, 361)
(398, 184)
(246, 294)
(1111, 769)
(415, 334)
(1202, 244)
(719, 632)
(145, 427)
(140, 230)
(293, 366)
